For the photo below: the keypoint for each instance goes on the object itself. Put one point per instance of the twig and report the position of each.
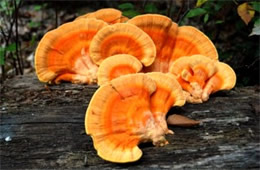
(181, 9)
(17, 36)
(185, 13)
(169, 8)
(3, 33)
(56, 16)
(144, 3)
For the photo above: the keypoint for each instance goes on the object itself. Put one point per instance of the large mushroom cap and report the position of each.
(117, 65)
(191, 41)
(118, 117)
(109, 15)
(62, 54)
(122, 38)
(163, 32)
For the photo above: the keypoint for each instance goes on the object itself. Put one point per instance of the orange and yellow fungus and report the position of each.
(163, 32)
(122, 38)
(200, 76)
(191, 41)
(168, 93)
(119, 117)
(63, 55)
(117, 65)
(223, 79)
(109, 15)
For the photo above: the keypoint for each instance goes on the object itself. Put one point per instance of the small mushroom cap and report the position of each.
(200, 76)
(191, 41)
(196, 68)
(118, 117)
(122, 38)
(117, 65)
(223, 79)
(65, 51)
(163, 32)
(227, 74)
(168, 93)
(109, 15)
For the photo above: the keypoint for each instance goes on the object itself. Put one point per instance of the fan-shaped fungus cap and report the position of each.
(168, 93)
(118, 118)
(62, 54)
(109, 15)
(200, 76)
(122, 38)
(191, 41)
(192, 73)
(117, 65)
(163, 32)
(223, 79)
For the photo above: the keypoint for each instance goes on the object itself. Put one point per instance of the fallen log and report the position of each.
(43, 127)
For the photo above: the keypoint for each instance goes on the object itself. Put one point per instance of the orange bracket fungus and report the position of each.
(62, 54)
(168, 93)
(122, 38)
(200, 76)
(163, 32)
(119, 117)
(223, 79)
(109, 15)
(117, 65)
(191, 41)
(173, 42)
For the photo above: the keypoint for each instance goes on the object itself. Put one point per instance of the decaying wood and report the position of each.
(43, 127)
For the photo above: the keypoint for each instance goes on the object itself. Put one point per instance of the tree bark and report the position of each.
(43, 127)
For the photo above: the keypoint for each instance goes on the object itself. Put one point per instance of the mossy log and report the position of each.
(43, 127)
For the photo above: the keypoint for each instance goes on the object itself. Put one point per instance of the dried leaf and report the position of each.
(246, 12)
(179, 120)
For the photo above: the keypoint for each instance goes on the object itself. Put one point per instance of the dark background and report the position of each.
(28, 21)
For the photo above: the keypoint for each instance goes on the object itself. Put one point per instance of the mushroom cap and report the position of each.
(200, 76)
(191, 41)
(196, 68)
(227, 74)
(223, 79)
(117, 65)
(163, 32)
(118, 117)
(168, 93)
(63, 53)
(122, 38)
(124, 19)
(109, 15)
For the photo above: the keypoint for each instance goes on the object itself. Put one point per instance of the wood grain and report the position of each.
(45, 129)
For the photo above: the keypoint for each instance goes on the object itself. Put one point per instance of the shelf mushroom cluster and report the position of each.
(144, 66)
